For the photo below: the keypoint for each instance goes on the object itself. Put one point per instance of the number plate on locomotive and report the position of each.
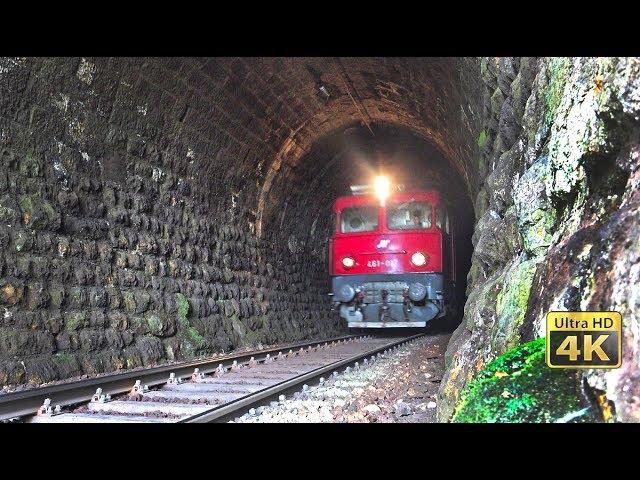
(388, 263)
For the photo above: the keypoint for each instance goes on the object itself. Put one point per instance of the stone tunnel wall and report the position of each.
(113, 255)
(558, 215)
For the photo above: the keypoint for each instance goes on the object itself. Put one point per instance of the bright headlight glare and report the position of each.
(348, 262)
(418, 259)
(382, 188)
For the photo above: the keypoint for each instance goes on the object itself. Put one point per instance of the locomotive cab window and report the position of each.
(359, 219)
(409, 215)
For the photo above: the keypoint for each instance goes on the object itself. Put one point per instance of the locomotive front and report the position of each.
(391, 258)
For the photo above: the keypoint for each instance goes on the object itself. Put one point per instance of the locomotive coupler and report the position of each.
(385, 306)
(359, 298)
(406, 304)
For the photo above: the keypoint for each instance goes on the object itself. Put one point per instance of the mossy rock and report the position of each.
(519, 387)
(129, 301)
(9, 210)
(76, 321)
(155, 325)
(511, 304)
(31, 167)
(182, 303)
(482, 139)
(538, 233)
(191, 339)
(557, 72)
(64, 357)
(37, 213)
(197, 340)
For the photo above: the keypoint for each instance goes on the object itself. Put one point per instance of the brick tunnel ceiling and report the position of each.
(269, 114)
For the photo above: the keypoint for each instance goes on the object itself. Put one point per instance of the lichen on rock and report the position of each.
(535, 213)
(511, 304)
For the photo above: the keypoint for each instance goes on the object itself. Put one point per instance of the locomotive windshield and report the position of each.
(409, 215)
(359, 219)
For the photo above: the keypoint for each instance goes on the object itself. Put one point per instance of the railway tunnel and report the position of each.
(158, 209)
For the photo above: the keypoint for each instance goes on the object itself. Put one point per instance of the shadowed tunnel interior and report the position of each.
(157, 209)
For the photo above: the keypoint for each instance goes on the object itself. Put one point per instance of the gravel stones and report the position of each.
(398, 387)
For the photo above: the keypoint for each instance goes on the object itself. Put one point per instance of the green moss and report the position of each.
(26, 204)
(131, 362)
(183, 309)
(63, 357)
(7, 214)
(129, 301)
(38, 213)
(519, 387)
(140, 325)
(155, 324)
(540, 233)
(539, 230)
(30, 166)
(75, 321)
(482, 139)
(192, 340)
(48, 209)
(253, 338)
(238, 326)
(511, 304)
(484, 70)
(557, 70)
(195, 337)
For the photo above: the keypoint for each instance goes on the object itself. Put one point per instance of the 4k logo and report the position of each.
(584, 339)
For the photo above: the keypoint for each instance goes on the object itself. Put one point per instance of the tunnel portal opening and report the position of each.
(354, 155)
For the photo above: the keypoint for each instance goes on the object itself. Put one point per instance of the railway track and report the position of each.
(204, 391)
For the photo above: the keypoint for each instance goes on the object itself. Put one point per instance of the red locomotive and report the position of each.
(392, 258)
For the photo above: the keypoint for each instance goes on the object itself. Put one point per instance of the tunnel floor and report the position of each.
(398, 388)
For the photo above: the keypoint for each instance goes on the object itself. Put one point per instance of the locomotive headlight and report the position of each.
(382, 188)
(348, 262)
(418, 259)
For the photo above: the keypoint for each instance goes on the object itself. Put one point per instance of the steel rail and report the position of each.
(27, 402)
(237, 408)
